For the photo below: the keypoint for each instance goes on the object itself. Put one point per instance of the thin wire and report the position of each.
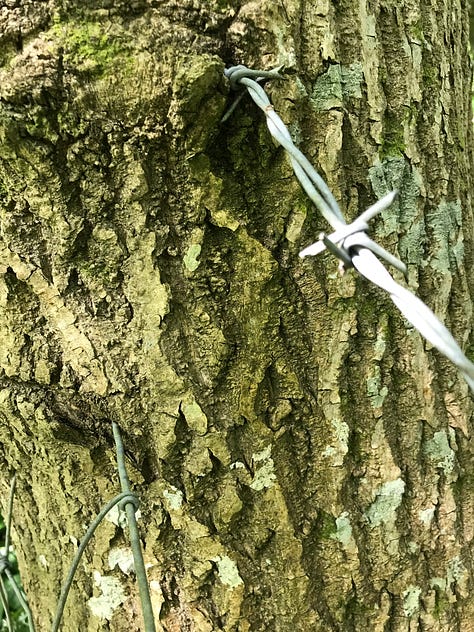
(3, 590)
(21, 598)
(6, 566)
(130, 508)
(9, 514)
(350, 242)
(77, 558)
(5, 605)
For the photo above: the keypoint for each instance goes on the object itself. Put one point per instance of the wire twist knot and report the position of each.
(345, 241)
(236, 73)
(129, 498)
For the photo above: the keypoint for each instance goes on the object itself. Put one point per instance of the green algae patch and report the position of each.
(90, 46)
(327, 526)
(393, 141)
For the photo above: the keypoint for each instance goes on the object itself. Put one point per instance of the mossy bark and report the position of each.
(303, 458)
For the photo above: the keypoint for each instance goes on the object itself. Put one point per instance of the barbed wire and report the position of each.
(349, 242)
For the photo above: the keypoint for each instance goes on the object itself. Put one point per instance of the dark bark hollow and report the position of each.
(303, 459)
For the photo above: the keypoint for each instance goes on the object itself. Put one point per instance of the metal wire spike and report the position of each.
(341, 253)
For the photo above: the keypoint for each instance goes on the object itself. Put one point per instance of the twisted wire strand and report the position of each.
(350, 243)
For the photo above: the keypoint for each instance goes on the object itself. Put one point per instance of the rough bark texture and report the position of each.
(303, 459)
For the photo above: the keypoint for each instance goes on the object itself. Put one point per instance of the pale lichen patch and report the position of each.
(438, 450)
(121, 557)
(191, 257)
(343, 532)
(118, 517)
(457, 576)
(113, 596)
(228, 571)
(376, 392)
(447, 249)
(426, 516)
(264, 475)
(174, 498)
(339, 446)
(336, 85)
(388, 498)
(404, 218)
(411, 600)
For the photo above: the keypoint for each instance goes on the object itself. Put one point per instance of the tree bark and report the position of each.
(302, 457)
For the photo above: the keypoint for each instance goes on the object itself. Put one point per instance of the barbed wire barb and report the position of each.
(350, 242)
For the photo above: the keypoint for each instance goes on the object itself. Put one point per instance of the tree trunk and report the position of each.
(302, 457)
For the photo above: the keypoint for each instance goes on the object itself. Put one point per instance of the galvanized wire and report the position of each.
(4, 561)
(350, 243)
(21, 598)
(130, 509)
(82, 547)
(129, 501)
